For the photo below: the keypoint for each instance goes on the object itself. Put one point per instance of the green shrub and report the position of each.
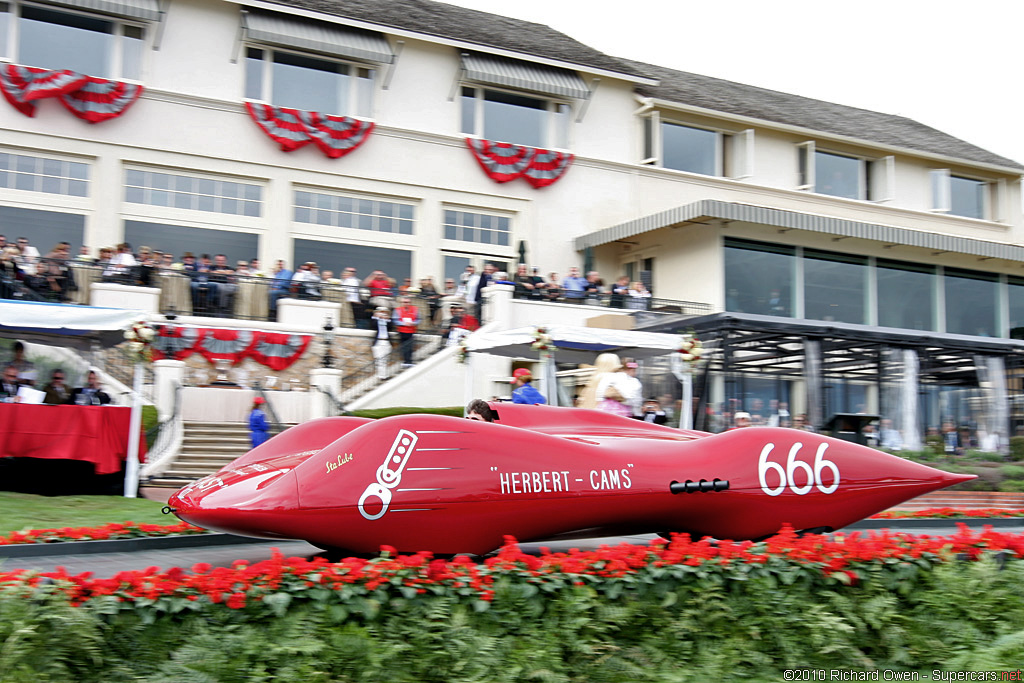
(377, 413)
(936, 444)
(1012, 471)
(671, 623)
(1017, 448)
(1012, 486)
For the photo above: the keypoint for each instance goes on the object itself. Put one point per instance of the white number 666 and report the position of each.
(787, 476)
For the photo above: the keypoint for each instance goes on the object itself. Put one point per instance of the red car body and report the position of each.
(448, 485)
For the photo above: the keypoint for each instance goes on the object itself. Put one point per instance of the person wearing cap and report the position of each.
(259, 428)
(381, 325)
(525, 393)
(741, 420)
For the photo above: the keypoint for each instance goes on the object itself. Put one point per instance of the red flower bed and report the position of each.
(274, 583)
(133, 530)
(930, 513)
(99, 533)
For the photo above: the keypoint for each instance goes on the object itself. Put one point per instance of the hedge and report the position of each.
(672, 611)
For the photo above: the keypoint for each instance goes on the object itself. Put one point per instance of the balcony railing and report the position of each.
(185, 293)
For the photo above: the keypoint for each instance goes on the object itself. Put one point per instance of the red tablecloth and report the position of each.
(98, 434)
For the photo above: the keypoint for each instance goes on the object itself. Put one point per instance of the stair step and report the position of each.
(219, 444)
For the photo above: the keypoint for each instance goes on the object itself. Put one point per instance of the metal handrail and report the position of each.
(276, 426)
(339, 408)
(170, 434)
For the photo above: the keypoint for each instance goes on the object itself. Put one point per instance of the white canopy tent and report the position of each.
(83, 327)
(571, 344)
(64, 324)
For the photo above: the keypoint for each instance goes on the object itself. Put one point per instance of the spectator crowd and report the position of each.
(19, 383)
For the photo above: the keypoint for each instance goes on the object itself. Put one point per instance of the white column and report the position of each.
(498, 306)
(167, 376)
(131, 467)
(319, 402)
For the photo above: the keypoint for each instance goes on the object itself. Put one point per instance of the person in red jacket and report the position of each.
(406, 319)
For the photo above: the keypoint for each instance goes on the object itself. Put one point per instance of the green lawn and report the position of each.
(19, 511)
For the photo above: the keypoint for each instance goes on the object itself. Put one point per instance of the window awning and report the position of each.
(513, 73)
(132, 9)
(798, 220)
(331, 39)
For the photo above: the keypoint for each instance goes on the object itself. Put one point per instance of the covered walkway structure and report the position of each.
(921, 380)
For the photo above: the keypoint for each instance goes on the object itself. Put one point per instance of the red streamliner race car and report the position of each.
(449, 485)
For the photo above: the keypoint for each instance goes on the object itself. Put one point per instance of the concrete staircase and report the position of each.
(206, 448)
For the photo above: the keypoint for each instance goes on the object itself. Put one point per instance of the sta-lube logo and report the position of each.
(389, 474)
(799, 476)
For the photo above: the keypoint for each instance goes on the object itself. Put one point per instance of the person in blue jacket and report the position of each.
(259, 428)
(524, 392)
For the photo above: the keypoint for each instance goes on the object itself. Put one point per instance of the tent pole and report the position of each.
(131, 468)
(468, 386)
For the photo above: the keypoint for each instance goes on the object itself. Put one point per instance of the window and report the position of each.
(336, 256)
(455, 265)
(288, 79)
(39, 174)
(845, 175)
(967, 197)
(971, 302)
(100, 46)
(476, 227)
(519, 119)
(835, 287)
(353, 212)
(43, 228)
(177, 239)
(759, 278)
(193, 193)
(906, 294)
(683, 148)
(1015, 294)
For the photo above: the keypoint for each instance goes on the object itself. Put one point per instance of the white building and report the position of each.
(748, 200)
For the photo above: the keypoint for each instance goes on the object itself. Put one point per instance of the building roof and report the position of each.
(472, 26)
(770, 105)
(537, 40)
(701, 211)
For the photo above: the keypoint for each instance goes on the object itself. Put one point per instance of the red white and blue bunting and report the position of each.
(336, 136)
(89, 98)
(503, 161)
(275, 350)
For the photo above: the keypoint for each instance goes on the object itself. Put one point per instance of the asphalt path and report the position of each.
(104, 565)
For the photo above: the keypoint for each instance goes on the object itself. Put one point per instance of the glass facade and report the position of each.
(761, 278)
(352, 212)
